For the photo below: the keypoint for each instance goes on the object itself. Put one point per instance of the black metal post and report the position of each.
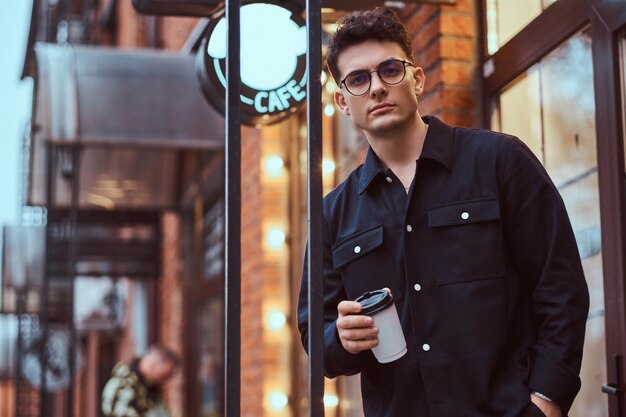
(43, 318)
(233, 214)
(71, 262)
(20, 308)
(314, 167)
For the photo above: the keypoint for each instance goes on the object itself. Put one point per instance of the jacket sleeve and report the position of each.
(337, 360)
(118, 398)
(544, 250)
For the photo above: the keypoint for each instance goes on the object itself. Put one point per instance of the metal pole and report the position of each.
(233, 214)
(18, 354)
(43, 318)
(314, 194)
(71, 262)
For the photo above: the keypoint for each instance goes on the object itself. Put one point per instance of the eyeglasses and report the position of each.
(391, 72)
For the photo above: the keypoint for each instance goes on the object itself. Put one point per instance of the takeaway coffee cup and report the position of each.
(379, 305)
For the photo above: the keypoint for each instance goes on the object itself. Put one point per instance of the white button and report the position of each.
(389, 180)
(465, 215)
(409, 228)
(426, 347)
(417, 287)
(357, 249)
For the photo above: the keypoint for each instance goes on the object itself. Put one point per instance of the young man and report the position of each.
(469, 233)
(134, 389)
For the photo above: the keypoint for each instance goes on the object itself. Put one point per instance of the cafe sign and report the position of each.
(273, 62)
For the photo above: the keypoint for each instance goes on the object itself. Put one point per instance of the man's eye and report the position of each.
(391, 69)
(357, 79)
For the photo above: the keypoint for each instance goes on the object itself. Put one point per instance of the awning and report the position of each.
(132, 112)
(112, 97)
(107, 244)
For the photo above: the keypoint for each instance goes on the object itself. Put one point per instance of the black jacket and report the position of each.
(484, 267)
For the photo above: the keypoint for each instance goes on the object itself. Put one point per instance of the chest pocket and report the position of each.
(466, 241)
(363, 263)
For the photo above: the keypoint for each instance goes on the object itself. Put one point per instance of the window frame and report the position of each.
(554, 26)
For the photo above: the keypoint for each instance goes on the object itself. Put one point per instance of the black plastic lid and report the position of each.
(374, 301)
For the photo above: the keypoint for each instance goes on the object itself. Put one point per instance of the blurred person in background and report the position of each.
(135, 387)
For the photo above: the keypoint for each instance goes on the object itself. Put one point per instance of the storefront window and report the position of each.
(505, 18)
(214, 242)
(203, 253)
(210, 334)
(551, 108)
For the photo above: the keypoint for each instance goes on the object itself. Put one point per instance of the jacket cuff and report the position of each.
(337, 360)
(553, 378)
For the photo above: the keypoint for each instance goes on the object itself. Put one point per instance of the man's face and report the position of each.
(384, 108)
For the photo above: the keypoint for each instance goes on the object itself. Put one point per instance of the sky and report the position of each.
(15, 99)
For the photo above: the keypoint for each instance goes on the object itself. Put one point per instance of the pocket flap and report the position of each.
(357, 245)
(464, 212)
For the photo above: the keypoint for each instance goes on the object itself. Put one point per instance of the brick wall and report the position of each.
(130, 26)
(445, 46)
(7, 398)
(170, 308)
(126, 341)
(252, 273)
(174, 31)
(29, 399)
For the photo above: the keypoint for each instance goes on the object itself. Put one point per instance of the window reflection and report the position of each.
(551, 107)
(210, 358)
(505, 18)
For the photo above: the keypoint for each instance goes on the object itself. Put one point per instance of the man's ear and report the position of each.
(340, 101)
(420, 80)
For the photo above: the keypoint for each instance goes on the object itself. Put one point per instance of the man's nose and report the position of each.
(377, 86)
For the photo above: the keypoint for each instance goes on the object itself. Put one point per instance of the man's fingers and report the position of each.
(356, 331)
(360, 334)
(348, 307)
(359, 346)
(354, 322)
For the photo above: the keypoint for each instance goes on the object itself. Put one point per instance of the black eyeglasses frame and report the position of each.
(369, 74)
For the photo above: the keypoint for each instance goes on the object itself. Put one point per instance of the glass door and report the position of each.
(551, 108)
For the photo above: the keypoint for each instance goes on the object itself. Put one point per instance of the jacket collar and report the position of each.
(438, 146)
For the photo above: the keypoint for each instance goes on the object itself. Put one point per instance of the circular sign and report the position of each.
(57, 353)
(273, 62)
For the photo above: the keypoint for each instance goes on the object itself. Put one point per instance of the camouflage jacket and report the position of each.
(127, 394)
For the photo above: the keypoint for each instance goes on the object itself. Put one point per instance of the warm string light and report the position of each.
(274, 165)
(275, 170)
(328, 166)
(278, 400)
(331, 400)
(276, 320)
(276, 238)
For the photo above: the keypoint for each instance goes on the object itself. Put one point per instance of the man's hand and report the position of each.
(549, 408)
(356, 331)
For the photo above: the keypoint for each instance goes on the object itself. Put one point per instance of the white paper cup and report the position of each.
(391, 342)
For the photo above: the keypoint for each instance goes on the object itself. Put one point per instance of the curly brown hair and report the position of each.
(381, 24)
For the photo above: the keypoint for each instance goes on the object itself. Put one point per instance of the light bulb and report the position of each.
(331, 400)
(278, 400)
(276, 319)
(275, 237)
(328, 166)
(274, 165)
